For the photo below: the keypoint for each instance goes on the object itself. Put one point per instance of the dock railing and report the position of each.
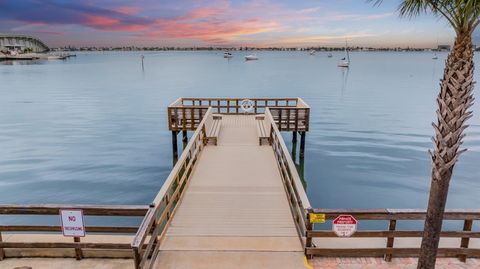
(290, 114)
(152, 229)
(299, 203)
(54, 210)
(392, 217)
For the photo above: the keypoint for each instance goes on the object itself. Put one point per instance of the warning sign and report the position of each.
(317, 218)
(72, 222)
(344, 225)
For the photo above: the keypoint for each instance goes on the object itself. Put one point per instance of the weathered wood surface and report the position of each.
(35, 231)
(289, 114)
(392, 242)
(235, 203)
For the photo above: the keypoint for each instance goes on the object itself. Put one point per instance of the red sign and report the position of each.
(344, 225)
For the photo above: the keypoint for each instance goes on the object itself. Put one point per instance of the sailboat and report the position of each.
(345, 61)
(227, 55)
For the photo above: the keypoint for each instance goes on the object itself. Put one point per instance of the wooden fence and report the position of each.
(147, 240)
(290, 114)
(392, 217)
(50, 210)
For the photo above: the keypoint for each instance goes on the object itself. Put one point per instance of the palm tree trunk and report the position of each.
(454, 100)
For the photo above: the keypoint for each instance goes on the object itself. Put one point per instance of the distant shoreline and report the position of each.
(362, 49)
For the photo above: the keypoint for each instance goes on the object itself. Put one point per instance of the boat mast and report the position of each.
(346, 50)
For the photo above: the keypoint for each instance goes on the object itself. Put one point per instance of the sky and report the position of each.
(188, 23)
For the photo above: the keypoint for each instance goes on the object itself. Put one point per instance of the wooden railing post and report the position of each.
(78, 250)
(2, 252)
(309, 227)
(136, 258)
(390, 240)
(467, 227)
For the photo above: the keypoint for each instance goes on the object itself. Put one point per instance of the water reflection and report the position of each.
(345, 72)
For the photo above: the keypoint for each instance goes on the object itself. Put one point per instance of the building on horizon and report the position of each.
(22, 43)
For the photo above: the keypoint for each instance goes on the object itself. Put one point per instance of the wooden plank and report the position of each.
(467, 227)
(450, 234)
(92, 210)
(64, 245)
(391, 227)
(56, 228)
(379, 252)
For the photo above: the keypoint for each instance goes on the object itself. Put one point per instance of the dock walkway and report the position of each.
(233, 199)
(235, 211)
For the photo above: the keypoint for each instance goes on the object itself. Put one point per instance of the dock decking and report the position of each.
(235, 210)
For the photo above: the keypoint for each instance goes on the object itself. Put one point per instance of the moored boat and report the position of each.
(251, 57)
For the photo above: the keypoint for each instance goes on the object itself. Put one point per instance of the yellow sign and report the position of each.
(317, 218)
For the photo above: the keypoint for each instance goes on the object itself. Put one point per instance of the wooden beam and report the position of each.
(467, 227)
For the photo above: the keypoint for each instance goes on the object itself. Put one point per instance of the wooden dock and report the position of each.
(234, 208)
(234, 199)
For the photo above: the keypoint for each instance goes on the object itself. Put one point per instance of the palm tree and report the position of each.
(454, 102)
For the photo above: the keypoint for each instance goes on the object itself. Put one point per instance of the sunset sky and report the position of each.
(261, 23)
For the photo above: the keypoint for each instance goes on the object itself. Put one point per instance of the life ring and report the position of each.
(247, 105)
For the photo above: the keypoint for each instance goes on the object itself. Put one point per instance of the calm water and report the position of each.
(92, 129)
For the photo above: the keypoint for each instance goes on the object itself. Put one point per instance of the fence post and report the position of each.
(390, 239)
(78, 250)
(467, 227)
(308, 238)
(2, 252)
(136, 258)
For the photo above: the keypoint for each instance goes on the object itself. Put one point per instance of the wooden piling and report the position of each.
(302, 144)
(174, 146)
(184, 138)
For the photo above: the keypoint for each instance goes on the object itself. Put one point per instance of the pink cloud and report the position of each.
(127, 10)
(112, 24)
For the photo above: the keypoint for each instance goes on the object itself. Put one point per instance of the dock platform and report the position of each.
(233, 199)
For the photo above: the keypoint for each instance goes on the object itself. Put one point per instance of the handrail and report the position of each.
(290, 113)
(468, 216)
(54, 209)
(165, 203)
(299, 203)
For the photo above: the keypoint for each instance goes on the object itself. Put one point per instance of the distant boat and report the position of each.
(345, 61)
(329, 55)
(251, 57)
(227, 54)
(56, 57)
(312, 52)
(435, 57)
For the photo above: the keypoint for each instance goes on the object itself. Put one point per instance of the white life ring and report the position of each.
(247, 105)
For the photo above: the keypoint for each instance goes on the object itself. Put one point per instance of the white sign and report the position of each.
(344, 225)
(72, 222)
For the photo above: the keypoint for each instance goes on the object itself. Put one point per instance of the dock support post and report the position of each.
(294, 146)
(174, 146)
(184, 138)
(302, 144)
(2, 253)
